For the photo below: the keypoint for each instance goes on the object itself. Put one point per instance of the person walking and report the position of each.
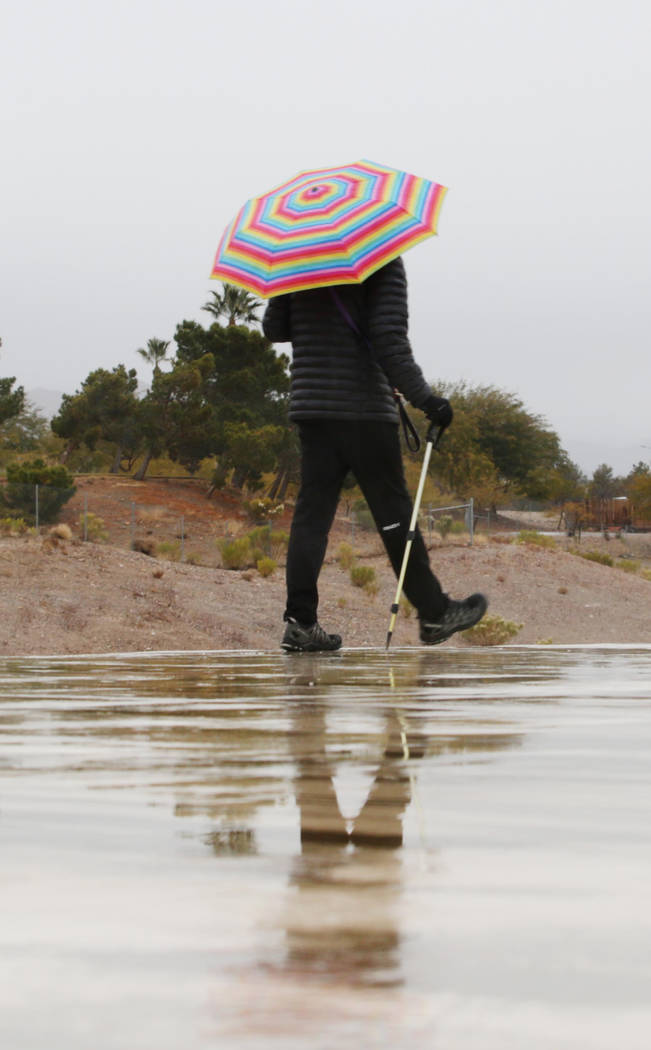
(351, 351)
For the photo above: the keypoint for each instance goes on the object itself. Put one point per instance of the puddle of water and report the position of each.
(243, 850)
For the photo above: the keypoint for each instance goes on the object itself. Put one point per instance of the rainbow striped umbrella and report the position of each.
(328, 226)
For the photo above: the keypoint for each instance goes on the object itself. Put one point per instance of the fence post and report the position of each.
(85, 517)
(182, 538)
(36, 506)
(471, 511)
(133, 525)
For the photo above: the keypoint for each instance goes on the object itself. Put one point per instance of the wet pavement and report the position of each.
(442, 848)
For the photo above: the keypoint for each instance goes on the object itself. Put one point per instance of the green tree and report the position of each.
(604, 484)
(104, 409)
(639, 491)
(247, 385)
(250, 453)
(154, 353)
(176, 418)
(26, 431)
(236, 304)
(497, 445)
(11, 401)
(55, 487)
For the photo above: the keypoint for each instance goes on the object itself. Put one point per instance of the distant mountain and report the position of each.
(46, 401)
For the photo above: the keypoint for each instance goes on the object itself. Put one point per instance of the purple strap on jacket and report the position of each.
(407, 425)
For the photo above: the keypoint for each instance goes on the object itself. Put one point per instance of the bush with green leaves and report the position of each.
(92, 528)
(598, 556)
(266, 566)
(18, 497)
(13, 526)
(236, 553)
(263, 509)
(345, 556)
(537, 539)
(362, 515)
(261, 537)
(443, 525)
(279, 542)
(628, 565)
(492, 630)
(364, 576)
(169, 549)
(272, 542)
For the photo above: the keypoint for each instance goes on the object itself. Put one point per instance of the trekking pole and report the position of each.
(432, 442)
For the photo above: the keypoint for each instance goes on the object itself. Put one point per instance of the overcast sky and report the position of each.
(132, 132)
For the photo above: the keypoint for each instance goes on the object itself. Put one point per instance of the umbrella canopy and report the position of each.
(324, 227)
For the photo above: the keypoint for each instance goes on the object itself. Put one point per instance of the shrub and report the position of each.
(60, 532)
(406, 608)
(362, 515)
(444, 525)
(360, 575)
(55, 487)
(169, 549)
(646, 574)
(538, 539)
(364, 576)
(13, 526)
(628, 565)
(601, 559)
(492, 630)
(261, 537)
(263, 510)
(236, 554)
(345, 556)
(457, 528)
(279, 542)
(95, 531)
(266, 566)
(193, 558)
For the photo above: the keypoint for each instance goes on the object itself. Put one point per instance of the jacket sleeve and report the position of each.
(388, 320)
(276, 321)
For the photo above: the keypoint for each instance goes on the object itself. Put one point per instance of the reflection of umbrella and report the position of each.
(324, 227)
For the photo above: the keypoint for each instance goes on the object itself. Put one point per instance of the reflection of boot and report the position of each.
(379, 823)
(316, 798)
(321, 820)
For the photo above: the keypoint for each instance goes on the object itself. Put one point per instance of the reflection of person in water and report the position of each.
(342, 921)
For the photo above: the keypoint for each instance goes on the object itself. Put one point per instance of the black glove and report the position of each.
(439, 412)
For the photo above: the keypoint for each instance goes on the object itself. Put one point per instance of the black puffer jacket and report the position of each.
(333, 373)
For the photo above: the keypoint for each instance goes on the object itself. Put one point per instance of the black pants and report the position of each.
(371, 450)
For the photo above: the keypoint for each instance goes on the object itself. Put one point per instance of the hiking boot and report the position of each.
(311, 639)
(458, 616)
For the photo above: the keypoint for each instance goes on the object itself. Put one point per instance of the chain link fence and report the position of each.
(191, 529)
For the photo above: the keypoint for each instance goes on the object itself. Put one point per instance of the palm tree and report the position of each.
(238, 305)
(155, 353)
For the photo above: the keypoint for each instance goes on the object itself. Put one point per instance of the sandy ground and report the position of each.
(74, 597)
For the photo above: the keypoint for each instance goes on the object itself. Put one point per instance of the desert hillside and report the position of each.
(69, 596)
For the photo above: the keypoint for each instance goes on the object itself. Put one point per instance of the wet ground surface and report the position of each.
(444, 849)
